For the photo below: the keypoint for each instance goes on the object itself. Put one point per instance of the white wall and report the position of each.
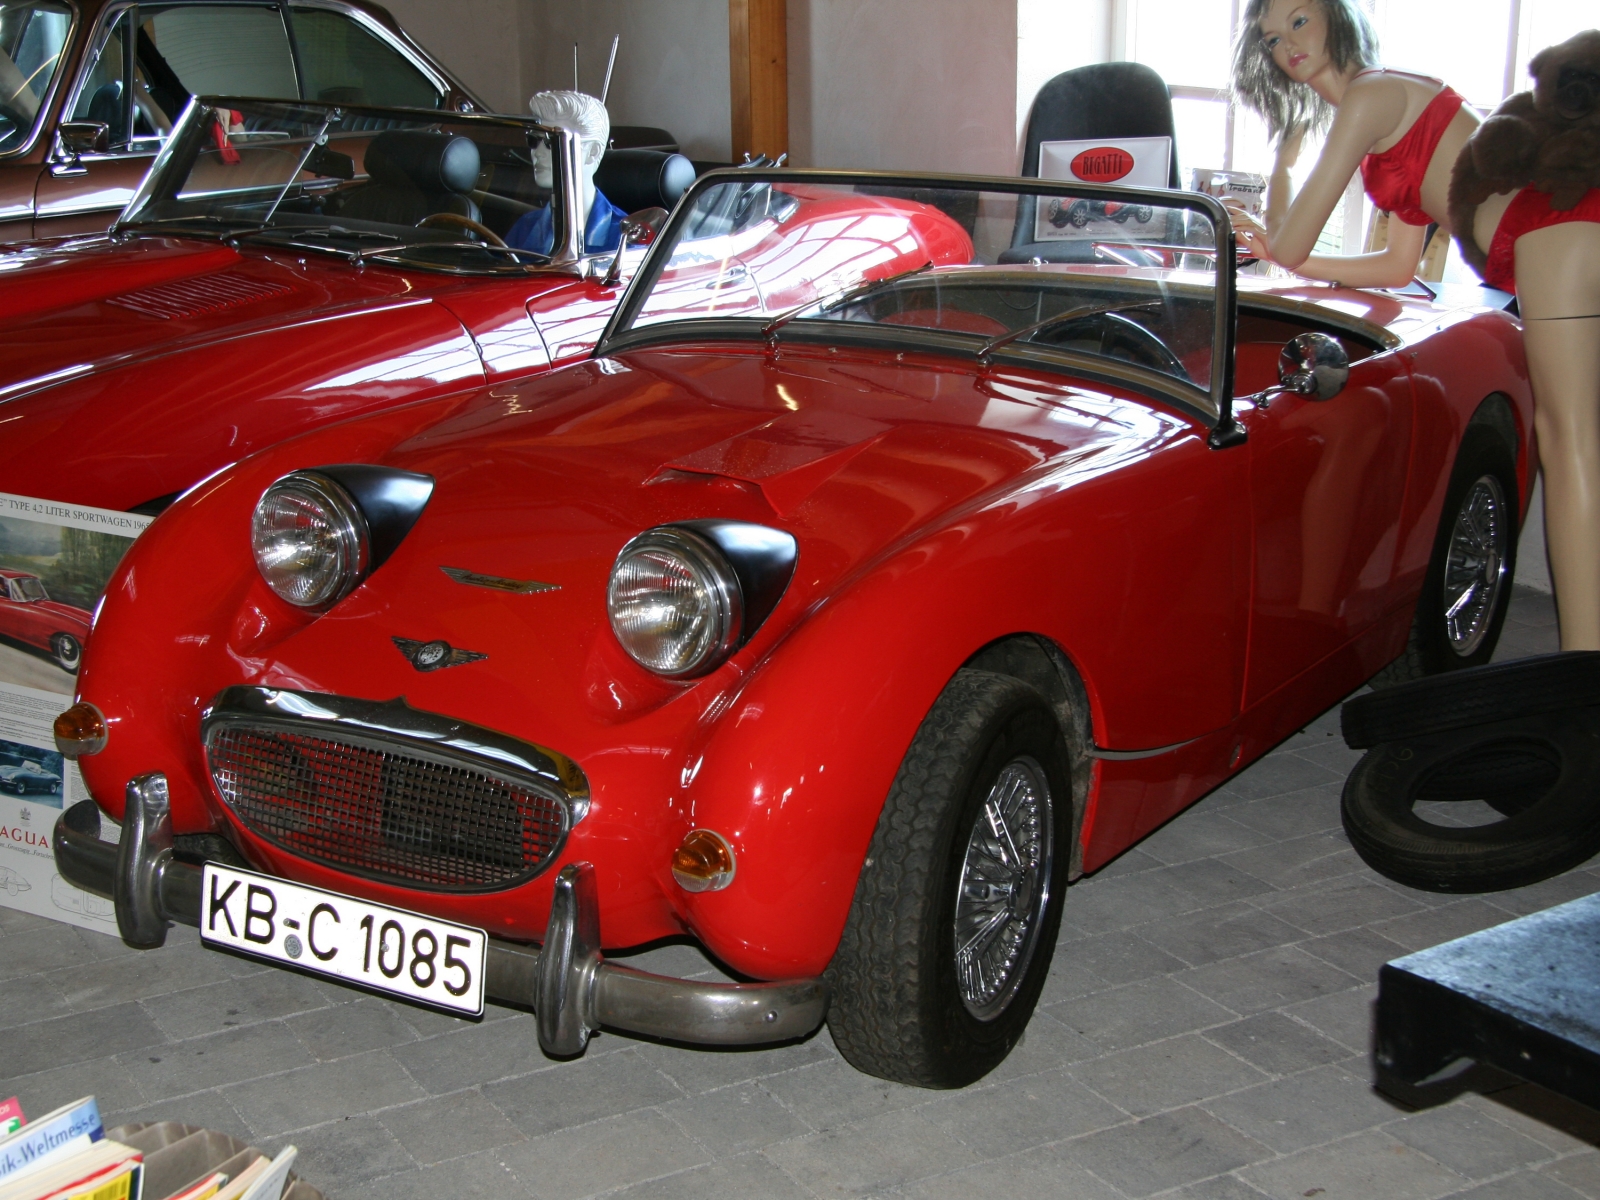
(909, 84)
(672, 67)
(1055, 36)
(477, 39)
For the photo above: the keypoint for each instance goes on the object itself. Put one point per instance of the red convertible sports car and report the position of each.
(29, 616)
(844, 607)
(289, 265)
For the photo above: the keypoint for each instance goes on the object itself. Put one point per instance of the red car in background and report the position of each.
(846, 606)
(289, 265)
(30, 617)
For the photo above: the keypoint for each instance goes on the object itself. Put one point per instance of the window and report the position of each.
(32, 36)
(1481, 47)
(343, 62)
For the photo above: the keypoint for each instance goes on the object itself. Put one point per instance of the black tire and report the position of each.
(1543, 772)
(1524, 687)
(1484, 463)
(67, 651)
(898, 1009)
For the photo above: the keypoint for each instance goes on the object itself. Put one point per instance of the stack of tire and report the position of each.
(1522, 737)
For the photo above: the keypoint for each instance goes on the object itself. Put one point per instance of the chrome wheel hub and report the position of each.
(1475, 569)
(1004, 888)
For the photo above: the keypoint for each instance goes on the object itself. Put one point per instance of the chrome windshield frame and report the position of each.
(619, 336)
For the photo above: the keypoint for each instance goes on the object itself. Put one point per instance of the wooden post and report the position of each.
(758, 61)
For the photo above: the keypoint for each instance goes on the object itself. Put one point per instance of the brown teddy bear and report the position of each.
(1548, 139)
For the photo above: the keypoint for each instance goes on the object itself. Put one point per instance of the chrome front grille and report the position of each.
(384, 807)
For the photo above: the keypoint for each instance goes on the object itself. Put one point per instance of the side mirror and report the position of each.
(1313, 365)
(638, 229)
(82, 137)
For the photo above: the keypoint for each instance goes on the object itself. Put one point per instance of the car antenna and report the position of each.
(605, 88)
(574, 66)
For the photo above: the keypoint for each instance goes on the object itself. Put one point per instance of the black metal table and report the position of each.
(1523, 996)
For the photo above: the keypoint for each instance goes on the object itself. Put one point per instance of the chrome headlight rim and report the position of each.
(352, 537)
(711, 566)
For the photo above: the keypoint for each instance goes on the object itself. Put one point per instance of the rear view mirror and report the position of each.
(1313, 365)
(638, 229)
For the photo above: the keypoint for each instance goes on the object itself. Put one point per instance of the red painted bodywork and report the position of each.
(937, 506)
(37, 622)
(109, 399)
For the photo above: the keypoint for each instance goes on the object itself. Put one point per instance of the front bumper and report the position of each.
(569, 984)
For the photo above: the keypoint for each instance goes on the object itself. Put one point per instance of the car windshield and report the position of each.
(32, 38)
(25, 587)
(459, 193)
(1119, 280)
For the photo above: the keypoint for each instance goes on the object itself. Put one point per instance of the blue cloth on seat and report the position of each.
(536, 230)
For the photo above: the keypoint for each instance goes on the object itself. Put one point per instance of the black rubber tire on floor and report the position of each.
(1428, 651)
(1543, 771)
(1523, 687)
(895, 1009)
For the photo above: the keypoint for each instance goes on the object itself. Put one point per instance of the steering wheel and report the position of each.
(1114, 336)
(447, 220)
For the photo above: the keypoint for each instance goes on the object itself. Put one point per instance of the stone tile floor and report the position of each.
(1204, 1035)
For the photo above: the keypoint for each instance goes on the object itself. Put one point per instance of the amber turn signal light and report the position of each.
(80, 730)
(703, 862)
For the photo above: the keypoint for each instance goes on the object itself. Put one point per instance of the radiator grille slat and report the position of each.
(382, 811)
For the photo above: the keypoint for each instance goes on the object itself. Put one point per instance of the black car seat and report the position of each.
(412, 174)
(635, 179)
(1106, 100)
(106, 107)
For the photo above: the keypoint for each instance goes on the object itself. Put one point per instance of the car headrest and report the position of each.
(635, 179)
(429, 162)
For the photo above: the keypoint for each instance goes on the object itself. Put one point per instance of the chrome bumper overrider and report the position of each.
(568, 983)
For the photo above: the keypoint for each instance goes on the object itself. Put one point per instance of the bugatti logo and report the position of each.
(1103, 164)
(434, 656)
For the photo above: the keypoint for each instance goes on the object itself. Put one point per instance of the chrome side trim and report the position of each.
(572, 989)
(1132, 755)
(396, 720)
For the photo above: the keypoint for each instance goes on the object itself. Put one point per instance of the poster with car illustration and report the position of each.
(55, 560)
(1137, 162)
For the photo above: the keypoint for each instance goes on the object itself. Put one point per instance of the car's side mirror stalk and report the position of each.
(638, 229)
(1312, 365)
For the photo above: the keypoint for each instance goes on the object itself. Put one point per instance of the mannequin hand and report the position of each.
(1251, 234)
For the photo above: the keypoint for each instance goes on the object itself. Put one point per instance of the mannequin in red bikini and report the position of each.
(1299, 61)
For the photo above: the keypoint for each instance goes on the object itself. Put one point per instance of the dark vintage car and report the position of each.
(839, 633)
(288, 265)
(91, 89)
(28, 778)
(30, 618)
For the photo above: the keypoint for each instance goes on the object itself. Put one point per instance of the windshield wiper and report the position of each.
(213, 226)
(860, 291)
(986, 351)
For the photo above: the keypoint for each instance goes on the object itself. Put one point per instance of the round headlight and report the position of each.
(310, 540)
(674, 602)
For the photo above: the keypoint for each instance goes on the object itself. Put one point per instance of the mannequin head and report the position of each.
(1283, 43)
(586, 117)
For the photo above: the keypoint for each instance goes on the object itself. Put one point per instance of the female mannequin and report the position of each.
(1296, 62)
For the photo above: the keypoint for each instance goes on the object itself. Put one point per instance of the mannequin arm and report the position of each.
(1369, 112)
(1393, 266)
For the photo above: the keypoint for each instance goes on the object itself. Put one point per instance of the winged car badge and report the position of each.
(434, 656)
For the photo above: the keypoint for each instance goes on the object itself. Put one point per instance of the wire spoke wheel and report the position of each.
(1476, 568)
(1003, 890)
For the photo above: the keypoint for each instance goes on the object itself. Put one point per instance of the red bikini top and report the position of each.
(1394, 178)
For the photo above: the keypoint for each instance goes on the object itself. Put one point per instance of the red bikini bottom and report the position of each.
(1529, 210)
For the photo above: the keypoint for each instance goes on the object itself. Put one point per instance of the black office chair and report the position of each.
(1106, 100)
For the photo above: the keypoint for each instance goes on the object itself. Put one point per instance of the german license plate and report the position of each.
(370, 945)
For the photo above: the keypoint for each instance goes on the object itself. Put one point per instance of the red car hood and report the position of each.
(72, 305)
(70, 615)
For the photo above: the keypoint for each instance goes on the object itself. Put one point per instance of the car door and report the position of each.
(36, 43)
(1327, 488)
